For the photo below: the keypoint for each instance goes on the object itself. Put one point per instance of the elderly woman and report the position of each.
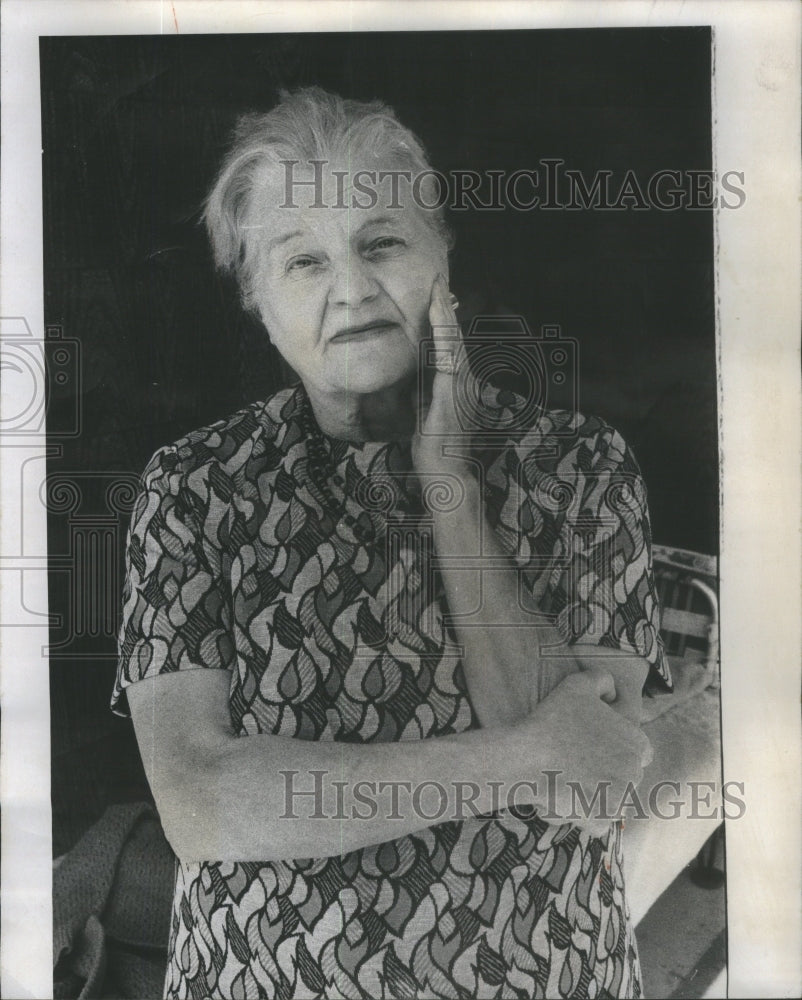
(364, 658)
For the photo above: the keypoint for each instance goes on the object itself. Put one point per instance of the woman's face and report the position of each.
(343, 290)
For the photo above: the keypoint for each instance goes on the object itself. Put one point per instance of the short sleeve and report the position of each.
(176, 611)
(584, 531)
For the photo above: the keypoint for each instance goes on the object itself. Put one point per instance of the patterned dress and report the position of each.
(302, 564)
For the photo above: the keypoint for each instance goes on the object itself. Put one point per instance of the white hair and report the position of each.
(306, 124)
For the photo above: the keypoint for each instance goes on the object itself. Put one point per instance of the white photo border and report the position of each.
(756, 131)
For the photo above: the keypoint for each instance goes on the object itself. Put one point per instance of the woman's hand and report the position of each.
(593, 753)
(224, 798)
(480, 584)
(627, 669)
(511, 662)
(437, 420)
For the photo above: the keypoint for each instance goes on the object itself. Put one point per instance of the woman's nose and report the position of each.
(352, 282)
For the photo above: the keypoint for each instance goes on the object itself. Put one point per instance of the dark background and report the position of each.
(147, 343)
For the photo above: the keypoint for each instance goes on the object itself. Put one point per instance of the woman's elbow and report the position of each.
(188, 784)
(205, 813)
(184, 732)
(185, 802)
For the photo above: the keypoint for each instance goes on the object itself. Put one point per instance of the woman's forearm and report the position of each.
(264, 797)
(511, 658)
(511, 661)
(502, 644)
(320, 799)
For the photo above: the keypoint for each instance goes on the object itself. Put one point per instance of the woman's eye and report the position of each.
(385, 243)
(300, 263)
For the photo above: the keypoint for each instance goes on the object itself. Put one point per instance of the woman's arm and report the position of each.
(507, 669)
(503, 650)
(223, 797)
(506, 673)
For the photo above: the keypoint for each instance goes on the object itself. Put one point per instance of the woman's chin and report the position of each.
(363, 378)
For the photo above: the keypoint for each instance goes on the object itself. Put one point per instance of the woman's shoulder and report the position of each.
(553, 436)
(256, 431)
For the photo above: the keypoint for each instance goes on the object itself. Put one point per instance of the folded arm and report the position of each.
(510, 662)
(224, 797)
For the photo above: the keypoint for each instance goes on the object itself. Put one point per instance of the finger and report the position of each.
(647, 753)
(446, 332)
(421, 399)
(442, 315)
(442, 305)
(602, 682)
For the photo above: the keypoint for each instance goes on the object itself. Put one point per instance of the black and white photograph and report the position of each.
(374, 423)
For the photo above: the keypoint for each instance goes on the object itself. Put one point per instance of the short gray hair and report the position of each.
(306, 124)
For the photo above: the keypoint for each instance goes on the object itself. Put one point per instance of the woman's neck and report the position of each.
(386, 415)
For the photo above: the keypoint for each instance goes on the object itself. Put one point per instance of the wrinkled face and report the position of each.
(344, 290)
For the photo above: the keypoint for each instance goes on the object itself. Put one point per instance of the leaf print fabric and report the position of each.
(304, 566)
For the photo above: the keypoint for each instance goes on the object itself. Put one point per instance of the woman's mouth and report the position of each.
(363, 331)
